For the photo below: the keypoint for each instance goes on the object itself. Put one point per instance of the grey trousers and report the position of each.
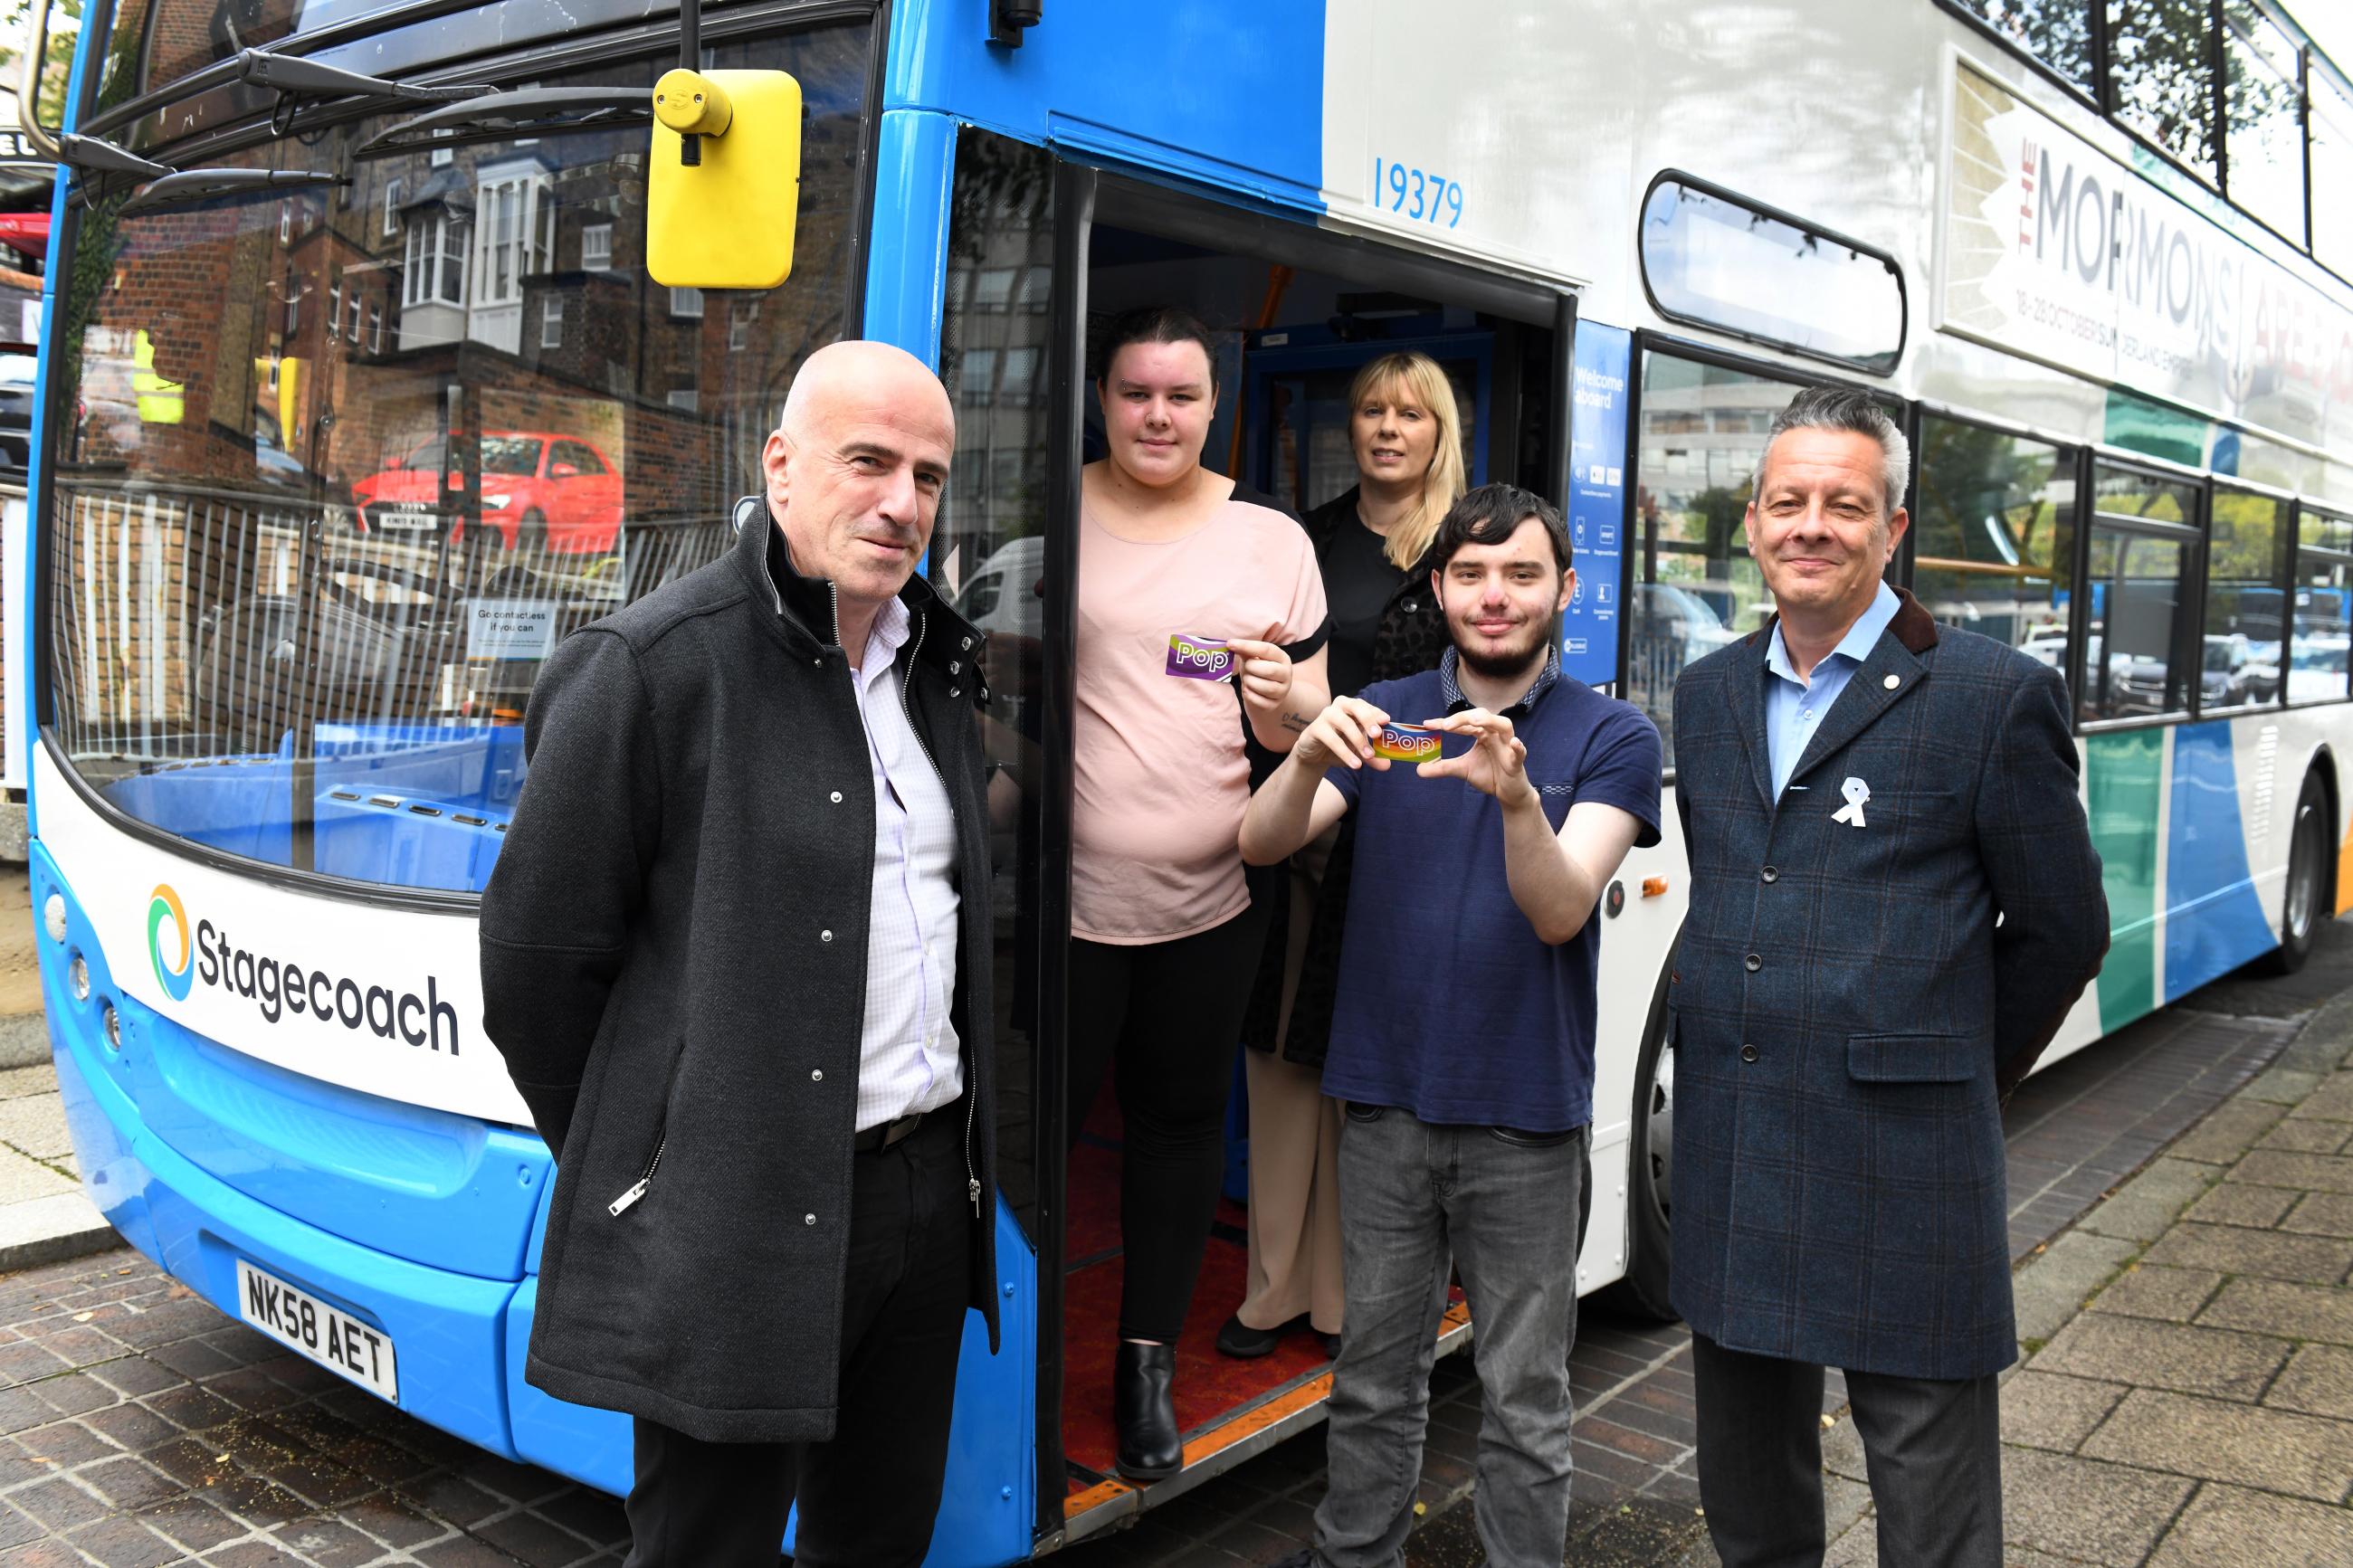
(1933, 1450)
(1503, 1205)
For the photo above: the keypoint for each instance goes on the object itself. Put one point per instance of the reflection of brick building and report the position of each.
(244, 365)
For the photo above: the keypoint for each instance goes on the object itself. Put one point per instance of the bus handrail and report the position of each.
(28, 81)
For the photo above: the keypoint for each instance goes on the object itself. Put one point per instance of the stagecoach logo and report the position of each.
(174, 978)
(278, 986)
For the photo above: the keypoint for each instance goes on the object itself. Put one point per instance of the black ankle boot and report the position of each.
(1144, 1411)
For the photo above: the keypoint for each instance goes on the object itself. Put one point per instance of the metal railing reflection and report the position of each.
(209, 628)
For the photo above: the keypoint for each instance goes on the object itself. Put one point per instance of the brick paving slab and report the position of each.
(2053, 1284)
(2227, 1526)
(2148, 1354)
(2274, 1306)
(2270, 1451)
(2146, 1206)
(2146, 1290)
(2233, 1204)
(2045, 1410)
(2083, 1511)
(2332, 1101)
(2318, 1381)
(2235, 1249)
(2306, 1137)
(2320, 1214)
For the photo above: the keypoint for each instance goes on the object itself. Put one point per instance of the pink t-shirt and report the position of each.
(1161, 782)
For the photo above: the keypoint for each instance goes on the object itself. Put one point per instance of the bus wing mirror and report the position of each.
(723, 188)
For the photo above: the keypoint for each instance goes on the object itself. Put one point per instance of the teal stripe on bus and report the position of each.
(2125, 772)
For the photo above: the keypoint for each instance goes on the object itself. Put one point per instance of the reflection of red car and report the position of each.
(540, 490)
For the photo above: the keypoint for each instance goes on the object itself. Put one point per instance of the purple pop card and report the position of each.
(1200, 658)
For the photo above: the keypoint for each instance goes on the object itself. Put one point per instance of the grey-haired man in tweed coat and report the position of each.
(1895, 902)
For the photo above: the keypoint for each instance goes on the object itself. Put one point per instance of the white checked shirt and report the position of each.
(910, 1060)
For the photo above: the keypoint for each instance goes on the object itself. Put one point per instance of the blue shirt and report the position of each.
(1793, 708)
(1448, 1005)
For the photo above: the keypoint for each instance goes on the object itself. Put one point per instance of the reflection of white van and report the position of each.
(1004, 594)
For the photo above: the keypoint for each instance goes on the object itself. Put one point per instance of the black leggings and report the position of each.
(1170, 1013)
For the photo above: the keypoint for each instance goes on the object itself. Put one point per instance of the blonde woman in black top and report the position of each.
(1407, 436)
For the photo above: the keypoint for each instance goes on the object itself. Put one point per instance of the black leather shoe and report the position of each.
(1144, 1411)
(1239, 1340)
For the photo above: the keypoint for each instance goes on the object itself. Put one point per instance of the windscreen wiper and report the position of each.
(295, 75)
(98, 156)
(191, 185)
(500, 114)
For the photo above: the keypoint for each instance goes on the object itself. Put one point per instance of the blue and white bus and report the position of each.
(346, 415)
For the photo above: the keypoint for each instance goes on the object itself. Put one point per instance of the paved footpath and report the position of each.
(2185, 1394)
(2206, 1395)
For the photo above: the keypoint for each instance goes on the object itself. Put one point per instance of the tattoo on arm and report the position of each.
(1295, 724)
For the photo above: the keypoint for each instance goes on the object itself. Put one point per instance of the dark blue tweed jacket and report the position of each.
(1852, 1004)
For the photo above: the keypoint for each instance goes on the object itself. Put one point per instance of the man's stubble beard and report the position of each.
(1501, 668)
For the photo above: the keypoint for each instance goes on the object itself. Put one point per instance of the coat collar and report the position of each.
(804, 607)
(1900, 654)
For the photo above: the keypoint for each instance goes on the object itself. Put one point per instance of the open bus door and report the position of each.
(1038, 248)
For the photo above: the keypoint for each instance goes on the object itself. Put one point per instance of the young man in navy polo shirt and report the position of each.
(1462, 1035)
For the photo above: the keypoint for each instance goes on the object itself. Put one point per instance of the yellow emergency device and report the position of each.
(290, 401)
(724, 187)
(160, 402)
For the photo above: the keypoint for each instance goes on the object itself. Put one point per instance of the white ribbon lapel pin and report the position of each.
(1856, 792)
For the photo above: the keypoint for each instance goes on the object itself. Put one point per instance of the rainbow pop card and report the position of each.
(1200, 658)
(1408, 743)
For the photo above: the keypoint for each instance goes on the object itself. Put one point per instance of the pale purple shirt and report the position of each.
(908, 1058)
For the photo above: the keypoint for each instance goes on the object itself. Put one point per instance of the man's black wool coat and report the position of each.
(674, 968)
(1850, 1004)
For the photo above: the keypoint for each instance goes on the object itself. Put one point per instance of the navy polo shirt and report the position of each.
(1449, 1004)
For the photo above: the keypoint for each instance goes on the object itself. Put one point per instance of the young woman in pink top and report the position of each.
(1166, 939)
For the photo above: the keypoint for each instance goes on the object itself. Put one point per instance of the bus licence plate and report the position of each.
(300, 1320)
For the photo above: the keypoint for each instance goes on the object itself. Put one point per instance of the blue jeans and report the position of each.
(1503, 1205)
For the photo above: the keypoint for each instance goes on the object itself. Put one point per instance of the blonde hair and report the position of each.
(1419, 381)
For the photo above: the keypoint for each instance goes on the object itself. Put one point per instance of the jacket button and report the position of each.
(955, 667)
(827, 936)
(1748, 1053)
(1409, 607)
(808, 1219)
(966, 643)
(955, 690)
(837, 797)
(817, 1074)
(1754, 963)
(1769, 874)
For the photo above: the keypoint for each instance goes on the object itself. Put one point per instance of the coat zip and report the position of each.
(622, 1205)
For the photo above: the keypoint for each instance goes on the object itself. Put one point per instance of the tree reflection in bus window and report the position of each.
(2246, 562)
(303, 579)
(2133, 665)
(2162, 76)
(1993, 536)
(2323, 631)
(1696, 589)
(2056, 32)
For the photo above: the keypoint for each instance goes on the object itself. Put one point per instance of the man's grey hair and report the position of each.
(1843, 408)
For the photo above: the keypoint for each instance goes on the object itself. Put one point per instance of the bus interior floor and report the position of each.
(1210, 1386)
